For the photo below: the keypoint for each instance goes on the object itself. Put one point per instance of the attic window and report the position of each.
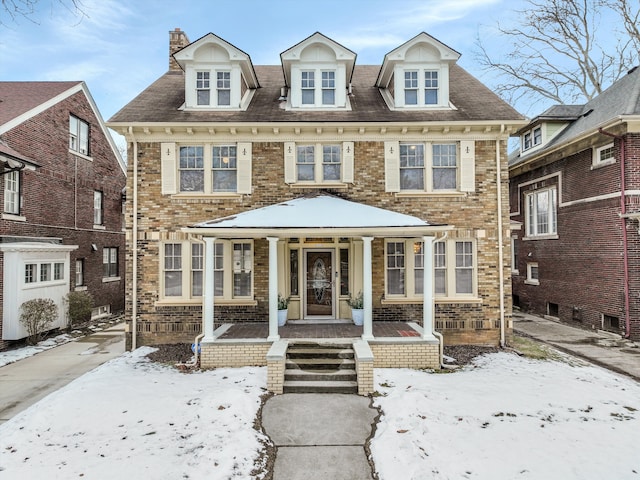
(532, 138)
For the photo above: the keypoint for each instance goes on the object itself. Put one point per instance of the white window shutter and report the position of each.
(467, 166)
(289, 162)
(392, 166)
(347, 162)
(244, 167)
(169, 167)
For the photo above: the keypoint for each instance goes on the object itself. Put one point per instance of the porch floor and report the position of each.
(319, 330)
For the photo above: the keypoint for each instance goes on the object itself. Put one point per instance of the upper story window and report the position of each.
(329, 88)
(308, 86)
(110, 262)
(206, 169)
(223, 86)
(318, 163)
(430, 87)
(532, 138)
(12, 193)
(425, 94)
(318, 93)
(541, 212)
(78, 135)
(98, 208)
(410, 88)
(604, 155)
(435, 170)
(203, 88)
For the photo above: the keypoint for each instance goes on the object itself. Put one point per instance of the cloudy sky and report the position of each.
(119, 47)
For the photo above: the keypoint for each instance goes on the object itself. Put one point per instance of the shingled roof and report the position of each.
(18, 98)
(161, 102)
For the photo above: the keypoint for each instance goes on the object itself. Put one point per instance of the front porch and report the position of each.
(394, 345)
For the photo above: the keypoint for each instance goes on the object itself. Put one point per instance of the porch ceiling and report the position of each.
(321, 214)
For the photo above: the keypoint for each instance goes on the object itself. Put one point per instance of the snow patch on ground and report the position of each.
(10, 356)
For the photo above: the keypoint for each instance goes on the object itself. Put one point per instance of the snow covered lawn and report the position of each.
(507, 417)
(504, 417)
(131, 418)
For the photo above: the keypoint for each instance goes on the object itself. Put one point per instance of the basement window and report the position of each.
(552, 309)
(610, 323)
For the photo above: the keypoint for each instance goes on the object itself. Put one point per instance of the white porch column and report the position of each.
(367, 285)
(428, 306)
(273, 289)
(208, 290)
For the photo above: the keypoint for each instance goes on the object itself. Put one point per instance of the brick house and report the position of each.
(575, 205)
(317, 179)
(62, 223)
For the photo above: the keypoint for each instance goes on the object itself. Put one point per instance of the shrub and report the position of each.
(79, 306)
(37, 315)
(283, 302)
(356, 301)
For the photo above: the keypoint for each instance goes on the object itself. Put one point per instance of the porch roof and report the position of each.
(320, 214)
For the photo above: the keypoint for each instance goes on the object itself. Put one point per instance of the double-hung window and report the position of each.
(110, 262)
(12, 192)
(223, 85)
(79, 272)
(191, 169)
(183, 270)
(541, 212)
(225, 168)
(453, 265)
(430, 167)
(328, 88)
(319, 163)
(78, 135)
(308, 86)
(411, 88)
(430, 87)
(203, 88)
(98, 208)
(532, 138)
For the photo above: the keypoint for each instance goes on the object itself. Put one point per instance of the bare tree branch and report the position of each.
(557, 52)
(27, 9)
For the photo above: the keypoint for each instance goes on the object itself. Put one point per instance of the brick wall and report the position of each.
(473, 216)
(581, 272)
(58, 196)
(405, 355)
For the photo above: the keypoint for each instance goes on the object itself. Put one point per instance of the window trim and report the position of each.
(14, 178)
(318, 164)
(111, 263)
(530, 280)
(552, 220)
(98, 208)
(428, 168)
(528, 138)
(79, 273)
(76, 137)
(449, 269)
(596, 161)
(421, 87)
(42, 268)
(187, 296)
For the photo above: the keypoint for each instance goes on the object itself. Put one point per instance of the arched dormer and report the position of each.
(317, 73)
(416, 74)
(218, 75)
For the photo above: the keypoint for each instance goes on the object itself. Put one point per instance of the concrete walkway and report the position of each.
(602, 348)
(27, 381)
(319, 436)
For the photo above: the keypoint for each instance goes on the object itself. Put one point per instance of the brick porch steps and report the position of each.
(320, 368)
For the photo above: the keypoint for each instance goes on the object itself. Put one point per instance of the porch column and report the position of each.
(273, 289)
(367, 285)
(428, 305)
(209, 290)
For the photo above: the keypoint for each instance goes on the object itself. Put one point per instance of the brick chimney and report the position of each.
(177, 41)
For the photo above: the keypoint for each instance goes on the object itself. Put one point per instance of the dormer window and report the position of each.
(203, 88)
(532, 138)
(416, 75)
(308, 85)
(328, 88)
(217, 75)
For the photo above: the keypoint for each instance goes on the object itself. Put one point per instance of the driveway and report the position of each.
(27, 381)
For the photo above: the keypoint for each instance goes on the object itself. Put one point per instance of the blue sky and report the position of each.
(121, 46)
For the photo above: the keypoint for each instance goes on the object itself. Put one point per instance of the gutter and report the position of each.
(623, 223)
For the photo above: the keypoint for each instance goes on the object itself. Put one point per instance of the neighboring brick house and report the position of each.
(62, 220)
(316, 179)
(575, 204)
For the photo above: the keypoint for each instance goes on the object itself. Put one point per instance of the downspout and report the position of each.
(134, 240)
(500, 245)
(623, 223)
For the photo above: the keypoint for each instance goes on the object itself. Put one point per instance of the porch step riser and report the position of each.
(329, 376)
(319, 353)
(320, 387)
(321, 364)
(320, 368)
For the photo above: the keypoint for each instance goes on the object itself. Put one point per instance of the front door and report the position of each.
(319, 289)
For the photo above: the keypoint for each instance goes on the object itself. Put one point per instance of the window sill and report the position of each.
(542, 237)
(110, 279)
(301, 185)
(605, 163)
(166, 302)
(416, 193)
(81, 155)
(515, 272)
(81, 288)
(532, 282)
(14, 218)
(414, 300)
(99, 227)
(204, 196)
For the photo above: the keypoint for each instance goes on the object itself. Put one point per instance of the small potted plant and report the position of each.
(357, 308)
(283, 309)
